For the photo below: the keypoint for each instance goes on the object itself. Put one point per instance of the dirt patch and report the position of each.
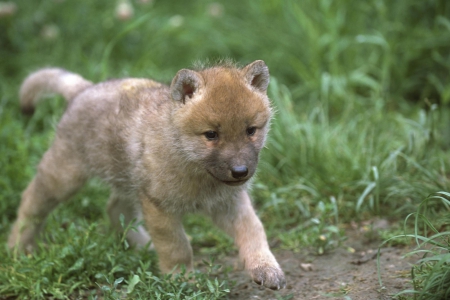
(348, 271)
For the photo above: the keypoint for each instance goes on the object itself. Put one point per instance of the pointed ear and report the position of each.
(185, 84)
(257, 75)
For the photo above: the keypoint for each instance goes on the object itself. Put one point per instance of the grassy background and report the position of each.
(361, 90)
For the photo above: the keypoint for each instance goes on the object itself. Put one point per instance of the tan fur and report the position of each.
(165, 151)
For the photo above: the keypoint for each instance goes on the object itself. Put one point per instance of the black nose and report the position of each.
(239, 172)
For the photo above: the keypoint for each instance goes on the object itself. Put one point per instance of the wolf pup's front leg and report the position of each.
(245, 227)
(168, 237)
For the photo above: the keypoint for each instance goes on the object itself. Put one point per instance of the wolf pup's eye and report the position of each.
(211, 135)
(251, 131)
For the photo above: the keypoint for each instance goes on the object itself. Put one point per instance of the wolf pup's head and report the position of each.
(222, 118)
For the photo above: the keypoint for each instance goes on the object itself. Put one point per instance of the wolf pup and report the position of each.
(165, 151)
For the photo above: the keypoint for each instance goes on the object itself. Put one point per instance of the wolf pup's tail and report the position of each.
(50, 81)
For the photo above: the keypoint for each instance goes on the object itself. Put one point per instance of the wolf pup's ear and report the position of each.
(257, 75)
(185, 84)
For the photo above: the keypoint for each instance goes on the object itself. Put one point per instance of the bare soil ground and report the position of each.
(348, 272)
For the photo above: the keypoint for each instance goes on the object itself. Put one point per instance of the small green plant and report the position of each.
(431, 274)
(320, 232)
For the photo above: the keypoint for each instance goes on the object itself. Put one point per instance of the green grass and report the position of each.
(361, 90)
(431, 275)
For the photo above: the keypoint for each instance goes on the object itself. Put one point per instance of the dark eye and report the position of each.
(211, 135)
(251, 131)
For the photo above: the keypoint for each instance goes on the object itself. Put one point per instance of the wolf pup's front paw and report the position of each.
(271, 277)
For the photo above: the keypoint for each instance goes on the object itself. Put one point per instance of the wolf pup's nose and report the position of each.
(239, 172)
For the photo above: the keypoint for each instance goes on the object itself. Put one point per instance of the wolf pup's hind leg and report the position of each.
(60, 174)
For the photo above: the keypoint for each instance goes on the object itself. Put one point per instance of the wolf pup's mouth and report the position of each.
(229, 182)
(234, 183)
